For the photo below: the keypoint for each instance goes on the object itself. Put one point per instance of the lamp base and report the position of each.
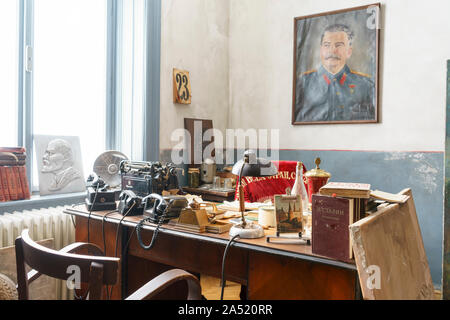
(249, 231)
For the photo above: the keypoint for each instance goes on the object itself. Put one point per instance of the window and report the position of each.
(131, 75)
(69, 73)
(79, 68)
(9, 22)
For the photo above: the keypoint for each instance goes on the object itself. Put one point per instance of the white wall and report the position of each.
(240, 57)
(414, 48)
(194, 37)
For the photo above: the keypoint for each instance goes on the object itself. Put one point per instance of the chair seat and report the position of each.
(8, 289)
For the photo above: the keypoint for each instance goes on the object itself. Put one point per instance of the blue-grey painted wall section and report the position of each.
(390, 172)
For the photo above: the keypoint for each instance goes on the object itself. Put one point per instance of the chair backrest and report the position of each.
(95, 270)
(262, 189)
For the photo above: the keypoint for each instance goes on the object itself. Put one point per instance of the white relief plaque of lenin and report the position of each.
(58, 161)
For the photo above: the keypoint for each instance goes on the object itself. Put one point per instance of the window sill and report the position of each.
(37, 202)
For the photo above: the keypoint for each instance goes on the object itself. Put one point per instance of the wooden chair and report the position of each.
(95, 270)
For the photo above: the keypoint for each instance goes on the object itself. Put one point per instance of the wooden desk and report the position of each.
(269, 271)
(211, 195)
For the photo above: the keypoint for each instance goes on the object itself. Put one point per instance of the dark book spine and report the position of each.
(4, 182)
(24, 182)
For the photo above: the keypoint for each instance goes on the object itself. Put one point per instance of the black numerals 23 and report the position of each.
(183, 90)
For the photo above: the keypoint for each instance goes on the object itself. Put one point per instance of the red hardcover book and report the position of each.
(331, 217)
(4, 182)
(16, 173)
(24, 182)
(12, 185)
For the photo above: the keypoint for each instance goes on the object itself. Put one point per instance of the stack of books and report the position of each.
(338, 205)
(13, 174)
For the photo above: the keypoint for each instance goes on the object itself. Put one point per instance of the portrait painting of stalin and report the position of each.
(334, 90)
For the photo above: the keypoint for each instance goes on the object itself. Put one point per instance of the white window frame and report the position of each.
(151, 98)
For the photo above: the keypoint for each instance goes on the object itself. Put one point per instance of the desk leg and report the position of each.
(243, 293)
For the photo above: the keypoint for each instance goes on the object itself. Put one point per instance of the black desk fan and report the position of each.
(104, 185)
(107, 166)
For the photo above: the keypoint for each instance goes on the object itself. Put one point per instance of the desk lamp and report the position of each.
(250, 166)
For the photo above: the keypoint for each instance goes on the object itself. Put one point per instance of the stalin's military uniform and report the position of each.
(322, 96)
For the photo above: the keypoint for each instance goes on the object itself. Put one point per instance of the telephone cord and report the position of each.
(223, 264)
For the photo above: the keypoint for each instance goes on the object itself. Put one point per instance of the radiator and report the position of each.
(42, 224)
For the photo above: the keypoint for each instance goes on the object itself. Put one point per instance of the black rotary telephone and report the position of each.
(130, 204)
(155, 215)
(160, 205)
(163, 209)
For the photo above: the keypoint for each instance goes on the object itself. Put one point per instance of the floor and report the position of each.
(211, 289)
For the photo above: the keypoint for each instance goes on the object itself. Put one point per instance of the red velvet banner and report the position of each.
(260, 189)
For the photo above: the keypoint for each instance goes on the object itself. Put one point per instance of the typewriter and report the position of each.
(144, 178)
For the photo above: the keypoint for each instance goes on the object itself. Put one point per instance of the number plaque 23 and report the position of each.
(181, 87)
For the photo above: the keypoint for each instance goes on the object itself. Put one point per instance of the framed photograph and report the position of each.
(288, 213)
(336, 67)
(59, 164)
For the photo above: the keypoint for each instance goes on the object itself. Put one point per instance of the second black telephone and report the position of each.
(163, 208)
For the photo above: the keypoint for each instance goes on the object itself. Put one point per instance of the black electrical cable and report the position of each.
(109, 292)
(129, 238)
(103, 230)
(155, 233)
(90, 211)
(223, 264)
(118, 227)
(104, 244)
(117, 239)
(71, 216)
(88, 241)
(73, 221)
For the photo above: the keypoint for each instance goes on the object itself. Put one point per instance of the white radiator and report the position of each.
(42, 224)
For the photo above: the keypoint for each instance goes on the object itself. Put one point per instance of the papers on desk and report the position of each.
(231, 214)
(234, 205)
(247, 219)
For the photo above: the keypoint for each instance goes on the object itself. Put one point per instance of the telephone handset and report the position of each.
(159, 206)
(130, 204)
(156, 215)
